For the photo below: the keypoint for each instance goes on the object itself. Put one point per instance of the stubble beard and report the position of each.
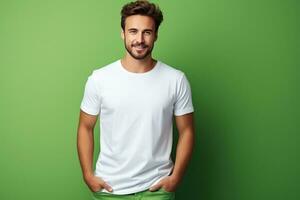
(138, 57)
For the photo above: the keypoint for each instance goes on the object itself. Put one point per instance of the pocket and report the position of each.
(164, 190)
(101, 193)
(97, 192)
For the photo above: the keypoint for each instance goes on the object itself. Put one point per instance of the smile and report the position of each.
(140, 48)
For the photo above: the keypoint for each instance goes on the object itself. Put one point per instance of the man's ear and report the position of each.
(122, 33)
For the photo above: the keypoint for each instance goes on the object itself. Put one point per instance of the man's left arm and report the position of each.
(186, 140)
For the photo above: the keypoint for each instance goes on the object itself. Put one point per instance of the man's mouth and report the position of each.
(140, 47)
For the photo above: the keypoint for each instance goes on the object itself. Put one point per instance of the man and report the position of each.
(135, 98)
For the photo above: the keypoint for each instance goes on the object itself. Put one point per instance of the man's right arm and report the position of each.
(85, 142)
(85, 149)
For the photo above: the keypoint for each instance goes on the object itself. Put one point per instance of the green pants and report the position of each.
(160, 194)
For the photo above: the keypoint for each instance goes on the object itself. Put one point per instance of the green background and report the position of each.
(241, 58)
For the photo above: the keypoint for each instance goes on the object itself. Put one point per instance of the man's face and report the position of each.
(139, 36)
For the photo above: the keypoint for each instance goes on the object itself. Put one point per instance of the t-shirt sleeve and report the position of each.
(183, 98)
(90, 103)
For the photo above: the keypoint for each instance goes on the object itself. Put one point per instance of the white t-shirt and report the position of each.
(135, 112)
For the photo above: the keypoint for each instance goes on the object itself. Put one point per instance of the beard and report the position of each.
(130, 50)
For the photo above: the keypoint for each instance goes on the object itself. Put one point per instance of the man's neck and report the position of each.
(138, 66)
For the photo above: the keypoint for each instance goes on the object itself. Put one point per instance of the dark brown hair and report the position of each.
(141, 7)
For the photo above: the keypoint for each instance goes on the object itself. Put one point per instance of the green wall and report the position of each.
(242, 61)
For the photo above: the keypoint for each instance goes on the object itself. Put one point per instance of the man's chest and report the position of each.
(151, 97)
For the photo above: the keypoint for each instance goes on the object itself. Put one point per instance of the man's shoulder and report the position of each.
(171, 70)
(107, 68)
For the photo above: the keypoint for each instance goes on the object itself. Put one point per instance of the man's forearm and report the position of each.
(183, 153)
(85, 149)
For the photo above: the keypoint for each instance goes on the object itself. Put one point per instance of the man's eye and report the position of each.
(148, 33)
(132, 31)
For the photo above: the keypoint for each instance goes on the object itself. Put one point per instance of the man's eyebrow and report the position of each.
(148, 30)
(135, 29)
(132, 29)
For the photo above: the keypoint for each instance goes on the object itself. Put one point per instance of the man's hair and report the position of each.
(141, 7)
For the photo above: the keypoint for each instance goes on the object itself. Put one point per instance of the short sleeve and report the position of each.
(91, 102)
(183, 97)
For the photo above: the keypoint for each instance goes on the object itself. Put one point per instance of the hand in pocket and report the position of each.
(96, 183)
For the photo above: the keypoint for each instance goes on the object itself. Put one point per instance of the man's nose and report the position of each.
(140, 37)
